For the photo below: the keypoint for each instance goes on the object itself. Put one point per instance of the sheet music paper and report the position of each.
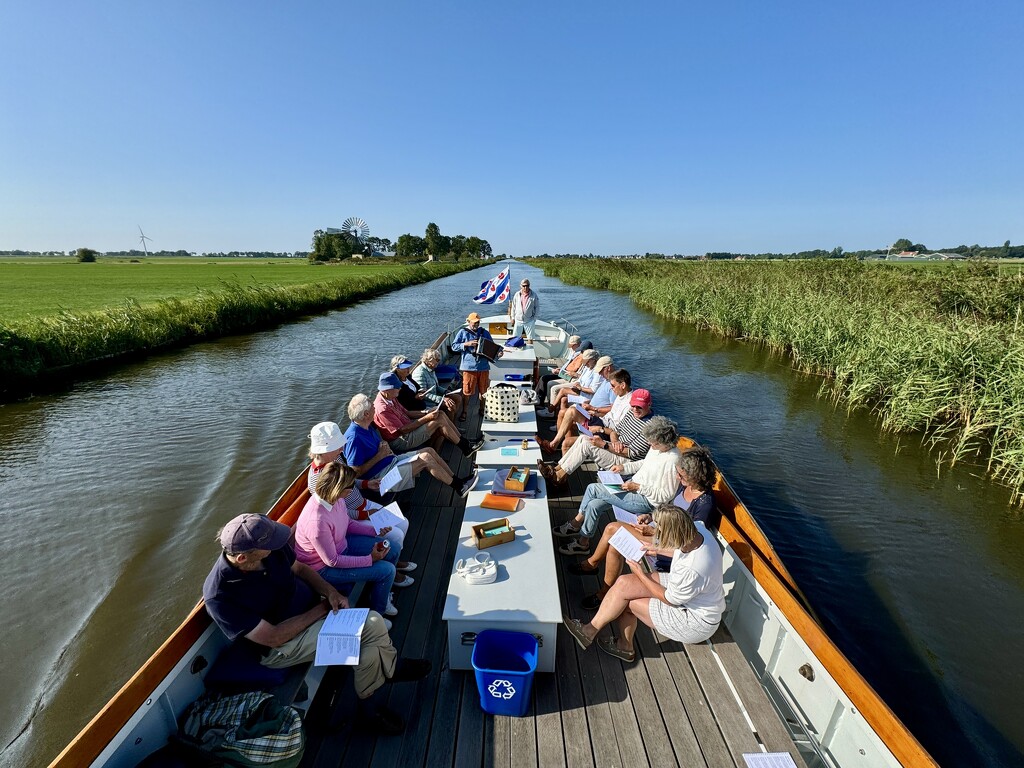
(623, 516)
(338, 640)
(406, 458)
(385, 517)
(576, 399)
(391, 479)
(769, 760)
(584, 431)
(609, 478)
(627, 544)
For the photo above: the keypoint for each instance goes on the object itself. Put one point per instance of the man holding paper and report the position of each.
(655, 482)
(601, 395)
(407, 430)
(259, 595)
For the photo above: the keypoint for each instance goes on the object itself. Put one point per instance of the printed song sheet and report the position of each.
(338, 640)
(623, 516)
(390, 480)
(577, 399)
(609, 478)
(584, 431)
(769, 760)
(582, 410)
(628, 545)
(385, 517)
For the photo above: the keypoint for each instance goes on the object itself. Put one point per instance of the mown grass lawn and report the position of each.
(35, 287)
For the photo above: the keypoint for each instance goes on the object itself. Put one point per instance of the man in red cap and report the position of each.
(258, 593)
(609, 445)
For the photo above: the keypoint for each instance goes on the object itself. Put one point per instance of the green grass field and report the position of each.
(36, 287)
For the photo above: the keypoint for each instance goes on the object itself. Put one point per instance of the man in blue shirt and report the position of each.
(258, 593)
(476, 370)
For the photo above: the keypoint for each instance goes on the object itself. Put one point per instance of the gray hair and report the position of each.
(430, 354)
(660, 430)
(359, 406)
(696, 465)
(395, 361)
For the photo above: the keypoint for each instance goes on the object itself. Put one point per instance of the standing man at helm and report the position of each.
(522, 310)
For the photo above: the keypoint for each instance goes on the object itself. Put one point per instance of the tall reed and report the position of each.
(939, 350)
(34, 349)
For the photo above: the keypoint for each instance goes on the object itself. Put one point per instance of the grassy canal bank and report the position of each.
(937, 350)
(37, 350)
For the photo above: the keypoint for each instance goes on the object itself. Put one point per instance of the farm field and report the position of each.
(36, 287)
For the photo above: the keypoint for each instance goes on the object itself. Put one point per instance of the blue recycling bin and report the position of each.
(504, 663)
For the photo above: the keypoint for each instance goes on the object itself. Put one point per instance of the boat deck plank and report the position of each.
(672, 707)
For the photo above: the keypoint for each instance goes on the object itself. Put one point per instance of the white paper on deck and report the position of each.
(391, 479)
(623, 516)
(609, 478)
(338, 640)
(769, 760)
(628, 545)
(584, 431)
(385, 517)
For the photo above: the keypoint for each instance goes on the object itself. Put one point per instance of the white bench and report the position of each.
(524, 598)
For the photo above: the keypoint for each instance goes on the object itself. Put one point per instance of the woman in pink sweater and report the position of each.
(344, 551)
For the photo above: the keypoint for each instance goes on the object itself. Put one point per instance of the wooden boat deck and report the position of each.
(674, 706)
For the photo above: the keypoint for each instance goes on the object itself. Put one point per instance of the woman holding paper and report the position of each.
(685, 604)
(342, 550)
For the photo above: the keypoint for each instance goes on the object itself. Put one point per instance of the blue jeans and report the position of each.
(380, 575)
(598, 500)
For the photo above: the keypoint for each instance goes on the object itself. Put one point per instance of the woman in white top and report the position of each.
(685, 604)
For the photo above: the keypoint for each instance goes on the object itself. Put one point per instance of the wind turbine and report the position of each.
(143, 239)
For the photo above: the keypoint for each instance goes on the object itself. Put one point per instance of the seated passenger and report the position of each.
(599, 402)
(259, 593)
(342, 550)
(409, 395)
(654, 483)
(371, 457)
(433, 392)
(572, 351)
(685, 604)
(620, 438)
(325, 445)
(573, 369)
(406, 430)
(584, 384)
(697, 475)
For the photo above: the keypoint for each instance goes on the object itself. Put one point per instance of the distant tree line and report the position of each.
(337, 246)
(903, 245)
(136, 254)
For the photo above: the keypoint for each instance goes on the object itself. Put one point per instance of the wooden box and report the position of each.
(517, 478)
(483, 539)
(499, 329)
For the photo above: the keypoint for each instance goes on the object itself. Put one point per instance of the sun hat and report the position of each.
(388, 381)
(574, 340)
(640, 397)
(253, 531)
(472, 317)
(326, 437)
(401, 361)
(589, 354)
(602, 363)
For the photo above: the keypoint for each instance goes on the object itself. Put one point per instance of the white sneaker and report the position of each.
(391, 610)
(405, 581)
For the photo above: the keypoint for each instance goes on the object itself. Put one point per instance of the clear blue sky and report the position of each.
(678, 127)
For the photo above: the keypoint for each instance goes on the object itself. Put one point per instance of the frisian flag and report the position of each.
(496, 290)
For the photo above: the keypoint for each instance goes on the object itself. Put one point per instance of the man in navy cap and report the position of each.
(258, 593)
(407, 430)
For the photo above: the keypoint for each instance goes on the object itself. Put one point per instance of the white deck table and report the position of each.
(516, 360)
(490, 454)
(524, 598)
(525, 427)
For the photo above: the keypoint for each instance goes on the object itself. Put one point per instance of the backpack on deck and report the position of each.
(252, 730)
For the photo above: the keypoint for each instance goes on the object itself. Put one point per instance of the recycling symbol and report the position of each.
(501, 689)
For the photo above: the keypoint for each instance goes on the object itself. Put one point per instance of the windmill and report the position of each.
(143, 239)
(354, 228)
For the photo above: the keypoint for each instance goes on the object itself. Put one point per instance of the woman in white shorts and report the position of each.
(685, 604)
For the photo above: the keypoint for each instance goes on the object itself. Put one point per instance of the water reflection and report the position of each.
(110, 496)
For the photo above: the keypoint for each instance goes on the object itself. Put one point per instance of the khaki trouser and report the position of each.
(582, 451)
(377, 656)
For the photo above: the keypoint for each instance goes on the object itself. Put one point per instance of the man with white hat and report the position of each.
(258, 593)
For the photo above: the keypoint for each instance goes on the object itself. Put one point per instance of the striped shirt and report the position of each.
(631, 434)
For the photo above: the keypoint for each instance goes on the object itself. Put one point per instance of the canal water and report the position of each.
(111, 495)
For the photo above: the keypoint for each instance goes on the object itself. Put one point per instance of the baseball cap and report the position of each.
(388, 381)
(589, 354)
(472, 317)
(253, 531)
(641, 398)
(602, 363)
